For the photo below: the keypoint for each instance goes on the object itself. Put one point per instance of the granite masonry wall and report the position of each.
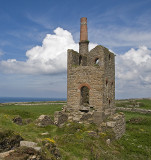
(98, 77)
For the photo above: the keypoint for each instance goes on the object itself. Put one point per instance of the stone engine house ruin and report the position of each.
(91, 86)
(91, 78)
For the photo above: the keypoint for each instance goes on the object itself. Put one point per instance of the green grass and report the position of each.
(143, 103)
(29, 111)
(74, 140)
(30, 131)
(136, 142)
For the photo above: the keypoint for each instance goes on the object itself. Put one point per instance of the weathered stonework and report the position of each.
(98, 78)
(91, 85)
(117, 123)
(136, 110)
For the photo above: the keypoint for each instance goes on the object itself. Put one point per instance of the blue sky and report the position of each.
(35, 34)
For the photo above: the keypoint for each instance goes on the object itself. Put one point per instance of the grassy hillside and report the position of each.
(138, 103)
(77, 141)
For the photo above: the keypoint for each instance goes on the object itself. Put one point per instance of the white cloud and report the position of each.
(133, 72)
(133, 69)
(134, 62)
(50, 58)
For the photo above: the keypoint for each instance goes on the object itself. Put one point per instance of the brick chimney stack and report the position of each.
(83, 44)
(83, 30)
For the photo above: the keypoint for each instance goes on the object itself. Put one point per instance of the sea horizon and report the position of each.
(28, 99)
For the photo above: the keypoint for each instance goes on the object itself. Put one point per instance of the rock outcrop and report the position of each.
(44, 120)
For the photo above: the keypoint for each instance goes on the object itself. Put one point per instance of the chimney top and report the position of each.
(83, 30)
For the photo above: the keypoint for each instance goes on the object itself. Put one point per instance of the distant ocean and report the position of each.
(28, 99)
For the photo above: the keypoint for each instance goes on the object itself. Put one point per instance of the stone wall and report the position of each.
(83, 47)
(107, 64)
(138, 110)
(99, 78)
(117, 123)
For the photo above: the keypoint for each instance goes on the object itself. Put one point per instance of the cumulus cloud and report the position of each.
(134, 63)
(133, 71)
(50, 58)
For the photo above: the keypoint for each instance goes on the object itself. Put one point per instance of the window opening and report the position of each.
(84, 96)
(80, 59)
(97, 61)
(109, 57)
(106, 82)
(109, 102)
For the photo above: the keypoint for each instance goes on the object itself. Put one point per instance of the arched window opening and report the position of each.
(80, 60)
(97, 61)
(84, 96)
(112, 84)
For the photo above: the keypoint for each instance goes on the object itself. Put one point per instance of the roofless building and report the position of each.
(91, 86)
